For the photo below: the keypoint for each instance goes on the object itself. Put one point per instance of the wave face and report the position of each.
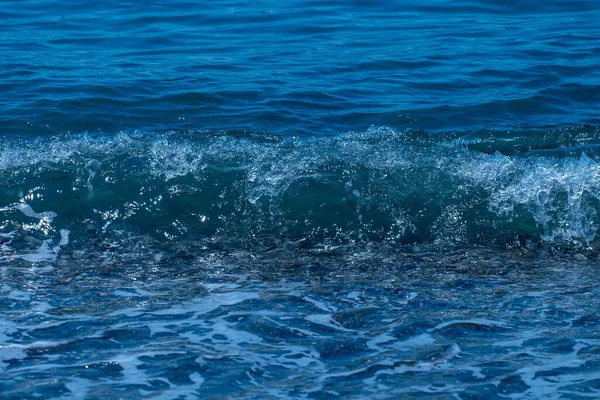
(245, 188)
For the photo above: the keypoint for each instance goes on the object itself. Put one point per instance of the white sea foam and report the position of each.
(27, 210)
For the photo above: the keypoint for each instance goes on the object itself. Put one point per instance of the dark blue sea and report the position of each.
(316, 199)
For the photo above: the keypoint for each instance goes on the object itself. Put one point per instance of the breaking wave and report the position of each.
(382, 185)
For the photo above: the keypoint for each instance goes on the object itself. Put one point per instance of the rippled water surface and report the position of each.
(322, 199)
(318, 67)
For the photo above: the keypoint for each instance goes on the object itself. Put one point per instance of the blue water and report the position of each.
(323, 199)
(294, 68)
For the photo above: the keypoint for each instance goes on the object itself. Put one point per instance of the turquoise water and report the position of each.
(299, 200)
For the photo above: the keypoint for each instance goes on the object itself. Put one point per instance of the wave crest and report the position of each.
(379, 185)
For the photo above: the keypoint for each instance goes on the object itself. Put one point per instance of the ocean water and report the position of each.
(285, 199)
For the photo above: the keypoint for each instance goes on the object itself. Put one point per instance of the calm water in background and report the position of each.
(289, 199)
(322, 67)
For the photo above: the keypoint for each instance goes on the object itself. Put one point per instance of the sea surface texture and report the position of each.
(317, 199)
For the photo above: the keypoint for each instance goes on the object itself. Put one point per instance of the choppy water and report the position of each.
(299, 199)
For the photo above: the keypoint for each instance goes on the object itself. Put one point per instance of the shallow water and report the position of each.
(299, 200)
(347, 323)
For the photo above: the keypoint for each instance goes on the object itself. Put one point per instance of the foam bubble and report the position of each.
(28, 211)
